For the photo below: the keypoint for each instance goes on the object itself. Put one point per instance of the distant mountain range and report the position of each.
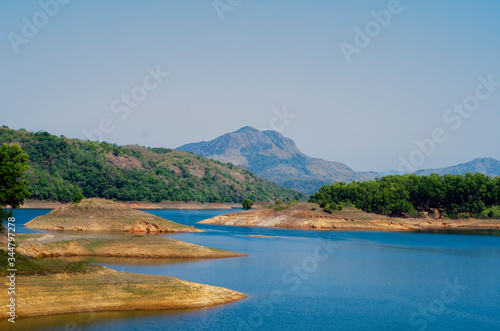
(271, 155)
(487, 166)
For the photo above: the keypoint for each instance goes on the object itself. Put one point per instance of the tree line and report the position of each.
(63, 169)
(412, 195)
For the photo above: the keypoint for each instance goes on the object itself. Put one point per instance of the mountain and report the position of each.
(61, 168)
(271, 155)
(487, 166)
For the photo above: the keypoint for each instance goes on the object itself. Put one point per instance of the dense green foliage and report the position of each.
(30, 266)
(64, 170)
(411, 195)
(12, 183)
(247, 204)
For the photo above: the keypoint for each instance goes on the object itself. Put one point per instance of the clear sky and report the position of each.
(70, 68)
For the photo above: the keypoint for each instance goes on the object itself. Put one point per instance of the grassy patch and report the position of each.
(280, 205)
(30, 266)
(137, 290)
(494, 210)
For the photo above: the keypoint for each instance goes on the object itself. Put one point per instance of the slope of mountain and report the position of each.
(61, 168)
(275, 157)
(487, 166)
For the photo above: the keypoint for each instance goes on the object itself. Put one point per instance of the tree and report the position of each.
(12, 183)
(491, 214)
(247, 204)
(78, 197)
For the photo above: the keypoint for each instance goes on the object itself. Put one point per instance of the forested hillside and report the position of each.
(409, 195)
(62, 168)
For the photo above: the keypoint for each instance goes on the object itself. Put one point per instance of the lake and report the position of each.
(316, 280)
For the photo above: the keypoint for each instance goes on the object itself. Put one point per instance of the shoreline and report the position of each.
(307, 216)
(122, 246)
(105, 289)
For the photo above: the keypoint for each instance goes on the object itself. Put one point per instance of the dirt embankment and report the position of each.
(311, 216)
(136, 246)
(104, 215)
(104, 289)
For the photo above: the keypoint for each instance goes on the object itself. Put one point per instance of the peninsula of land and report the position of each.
(105, 216)
(102, 289)
(311, 216)
(127, 245)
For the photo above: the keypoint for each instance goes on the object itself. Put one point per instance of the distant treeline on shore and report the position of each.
(412, 195)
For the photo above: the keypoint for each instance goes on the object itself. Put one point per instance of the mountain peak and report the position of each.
(488, 166)
(246, 129)
(273, 156)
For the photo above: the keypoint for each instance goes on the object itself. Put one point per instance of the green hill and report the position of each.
(61, 168)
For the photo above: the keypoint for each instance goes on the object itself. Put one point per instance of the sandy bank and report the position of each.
(302, 216)
(130, 246)
(104, 289)
(104, 215)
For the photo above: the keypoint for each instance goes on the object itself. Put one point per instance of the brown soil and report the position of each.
(123, 161)
(105, 289)
(104, 215)
(302, 216)
(136, 246)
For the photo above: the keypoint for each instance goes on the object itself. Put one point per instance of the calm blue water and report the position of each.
(314, 280)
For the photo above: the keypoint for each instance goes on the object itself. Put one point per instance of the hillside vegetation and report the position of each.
(455, 196)
(62, 169)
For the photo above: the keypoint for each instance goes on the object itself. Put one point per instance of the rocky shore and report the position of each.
(311, 216)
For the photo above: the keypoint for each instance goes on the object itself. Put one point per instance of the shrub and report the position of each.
(247, 204)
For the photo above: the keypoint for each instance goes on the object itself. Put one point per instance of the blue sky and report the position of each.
(264, 55)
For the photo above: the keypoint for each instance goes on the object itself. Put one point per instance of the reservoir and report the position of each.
(315, 280)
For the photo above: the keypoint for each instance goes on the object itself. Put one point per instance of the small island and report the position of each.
(311, 216)
(76, 287)
(128, 245)
(103, 215)
(73, 287)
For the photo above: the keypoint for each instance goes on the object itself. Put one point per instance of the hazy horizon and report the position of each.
(198, 72)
